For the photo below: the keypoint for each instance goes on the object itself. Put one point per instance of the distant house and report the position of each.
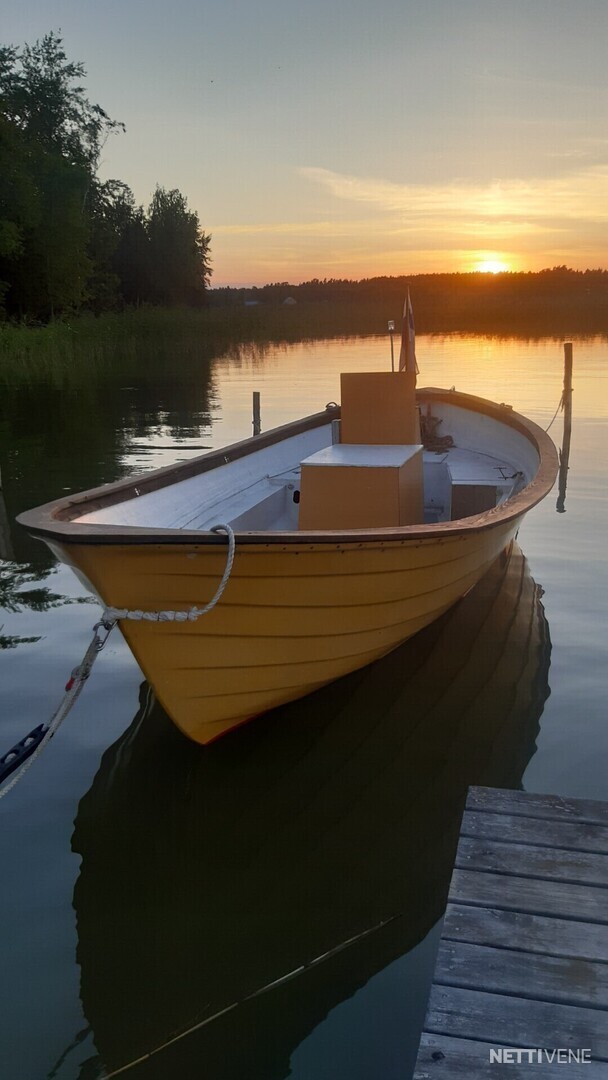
(290, 300)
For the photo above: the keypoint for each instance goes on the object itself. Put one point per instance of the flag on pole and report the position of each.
(407, 356)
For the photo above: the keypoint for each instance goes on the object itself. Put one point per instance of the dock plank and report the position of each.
(585, 903)
(558, 979)
(552, 807)
(444, 1058)
(543, 832)
(511, 1021)
(535, 934)
(577, 867)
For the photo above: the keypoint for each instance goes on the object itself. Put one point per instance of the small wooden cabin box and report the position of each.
(350, 486)
(379, 407)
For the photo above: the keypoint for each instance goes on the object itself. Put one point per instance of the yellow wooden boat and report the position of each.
(352, 531)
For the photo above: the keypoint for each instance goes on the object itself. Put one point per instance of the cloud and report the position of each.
(577, 196)
(357, 226)
(590, 149)
(298, 228)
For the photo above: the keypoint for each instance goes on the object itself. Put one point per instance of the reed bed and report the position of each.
(132, 340)
(150, 340)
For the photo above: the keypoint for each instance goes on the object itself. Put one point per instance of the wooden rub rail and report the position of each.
(521, 981)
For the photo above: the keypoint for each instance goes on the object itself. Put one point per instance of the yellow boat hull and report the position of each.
(302, 607)
(293, 616)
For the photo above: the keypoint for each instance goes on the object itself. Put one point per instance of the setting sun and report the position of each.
(491, 266)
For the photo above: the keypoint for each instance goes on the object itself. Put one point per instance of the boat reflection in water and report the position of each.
(208, 874)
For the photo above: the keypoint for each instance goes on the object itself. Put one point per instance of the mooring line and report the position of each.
(288, 977)
(24, 753)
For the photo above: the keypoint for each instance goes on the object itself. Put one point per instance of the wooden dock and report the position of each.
(523, 958)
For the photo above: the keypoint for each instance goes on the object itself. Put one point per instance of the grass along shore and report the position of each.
(132, 340)
(135, 338)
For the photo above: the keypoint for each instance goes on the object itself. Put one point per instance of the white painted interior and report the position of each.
(256, 492)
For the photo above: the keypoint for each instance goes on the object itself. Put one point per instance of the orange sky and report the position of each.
(350, 139)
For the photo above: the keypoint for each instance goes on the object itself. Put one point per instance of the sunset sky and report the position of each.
(349, 138)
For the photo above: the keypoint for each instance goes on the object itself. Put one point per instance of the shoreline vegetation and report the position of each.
(71, 242)
(555, 303)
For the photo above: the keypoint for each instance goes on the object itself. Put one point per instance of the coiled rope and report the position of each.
(32, 746)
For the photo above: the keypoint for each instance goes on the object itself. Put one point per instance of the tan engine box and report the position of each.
(379, 407)
(350, 486)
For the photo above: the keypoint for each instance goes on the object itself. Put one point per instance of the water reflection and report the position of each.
(60, 438)
(562, 479)
(209, 873)
(564, 459)
(6, 543)
(20, 591)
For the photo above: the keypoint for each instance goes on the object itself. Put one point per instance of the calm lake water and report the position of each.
(149, 884)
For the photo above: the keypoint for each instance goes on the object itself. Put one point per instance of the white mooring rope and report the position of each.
(114, 614)
(101, 633)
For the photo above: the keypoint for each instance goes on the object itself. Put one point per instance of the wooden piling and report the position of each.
(564, 456)
(257, 421)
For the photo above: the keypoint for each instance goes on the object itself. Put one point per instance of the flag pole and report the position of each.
(407, 355)
(391, 328)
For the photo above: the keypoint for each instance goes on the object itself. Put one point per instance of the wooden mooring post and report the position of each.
(564, 456)
(257, 420)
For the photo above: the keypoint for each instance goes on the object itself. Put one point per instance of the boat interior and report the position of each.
(465, 462)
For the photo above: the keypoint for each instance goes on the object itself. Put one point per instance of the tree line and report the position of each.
(559, 298)
(431, 289)
(70, 241)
